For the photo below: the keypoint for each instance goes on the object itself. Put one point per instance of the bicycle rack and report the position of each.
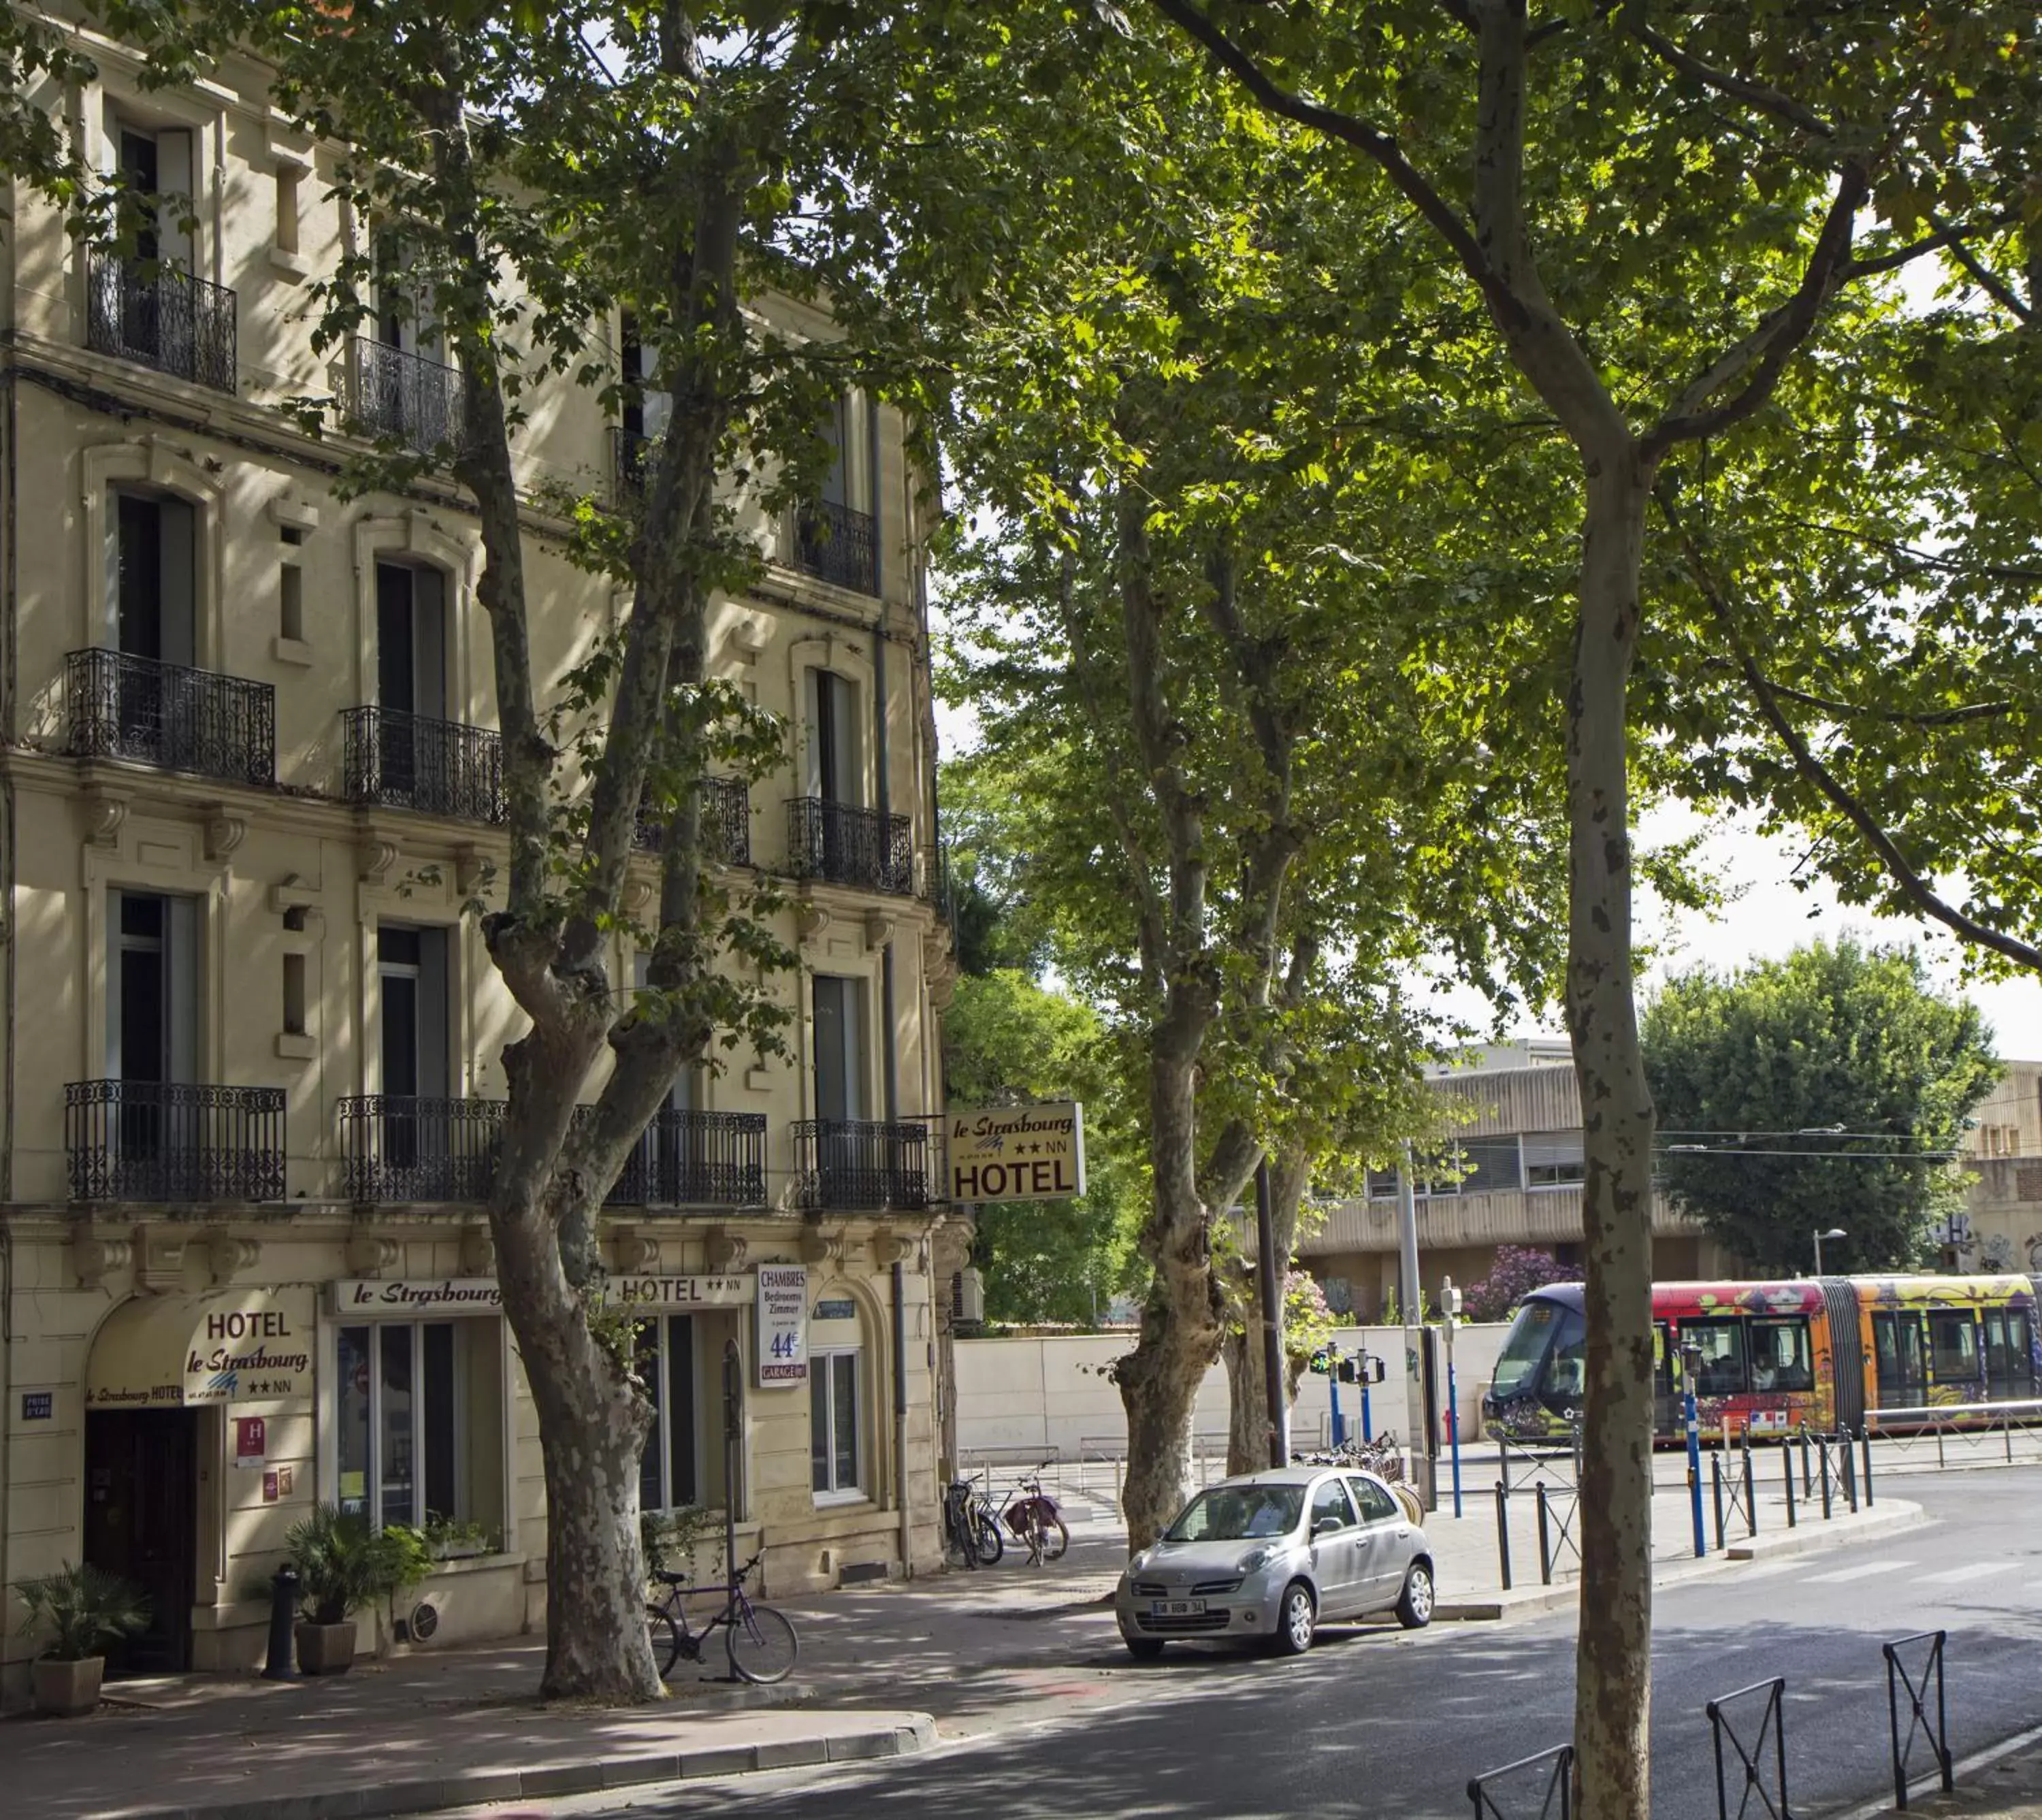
(1551, 1545)
(1559, 1785)
(1773, 1725)
(1937, 1734)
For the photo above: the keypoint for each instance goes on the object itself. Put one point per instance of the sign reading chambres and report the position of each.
(1017, 1152)
(783, 1325)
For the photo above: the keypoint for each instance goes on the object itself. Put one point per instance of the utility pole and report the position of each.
(1272, 1313)
(1411, 1301)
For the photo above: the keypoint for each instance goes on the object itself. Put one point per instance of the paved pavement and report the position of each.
(1376, 1722)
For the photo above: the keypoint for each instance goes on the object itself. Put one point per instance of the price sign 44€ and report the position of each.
(783, 1325)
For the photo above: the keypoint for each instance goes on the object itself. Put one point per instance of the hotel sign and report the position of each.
(411, 1296)
(1016, 1152)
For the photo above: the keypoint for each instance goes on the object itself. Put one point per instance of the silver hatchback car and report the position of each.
(1272, 1555)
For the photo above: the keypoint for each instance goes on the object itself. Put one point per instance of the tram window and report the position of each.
(1720, 1344)
(1953, 1348)
(2009, 1363)
(1780, 1356)
(1663, 1359)
(1896, 1340)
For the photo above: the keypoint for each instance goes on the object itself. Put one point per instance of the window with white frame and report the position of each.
(418, 1413)
(836, 1451)
(669, 1474)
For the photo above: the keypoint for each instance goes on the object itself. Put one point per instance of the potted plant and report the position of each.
(83, 1607)
(342, 1565)
(448, 1539)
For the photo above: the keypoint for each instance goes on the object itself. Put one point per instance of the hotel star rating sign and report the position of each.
(1017, 1152)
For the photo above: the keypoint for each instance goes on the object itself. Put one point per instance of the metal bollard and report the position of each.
(1503, 1529)
(1822, 1447)
(1866, 1443)
(1807, 1477)
(1850, 1472)
(1786, 1462)
(283, 1615)
(1715, 1492)
(1545, 1548)
(1750, 1502)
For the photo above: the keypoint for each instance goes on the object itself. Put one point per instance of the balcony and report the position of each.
(835, 544)
(436, 767)
(396, 1148)
(632, 454)
(165, 715)
(690, 1158)
(405, 398)
(145, 311)
(163, 1141)
(725, 823)
(841, 844)
(853, 1165)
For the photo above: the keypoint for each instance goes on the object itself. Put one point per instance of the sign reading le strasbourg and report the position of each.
(1017, 1152)
(480, 1294)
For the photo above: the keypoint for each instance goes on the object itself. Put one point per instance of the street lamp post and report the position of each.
(1833, 1233)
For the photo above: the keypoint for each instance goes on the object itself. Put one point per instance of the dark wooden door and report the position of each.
(141, 1522)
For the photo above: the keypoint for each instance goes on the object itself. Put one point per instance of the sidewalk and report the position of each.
(2008, 1787)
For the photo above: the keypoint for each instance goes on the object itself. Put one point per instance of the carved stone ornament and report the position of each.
(369, 1255)
(890, 1248)
(634, 1254)
(374, 858)
(228, 1257)
(819, 1248)
(637, 894)
(727, 1249)
(159, 1259)
(878, 931)
(468, 867)
(95, 1258)
(224, 832)
(811, 919)
(478, 1252)
(105, 812)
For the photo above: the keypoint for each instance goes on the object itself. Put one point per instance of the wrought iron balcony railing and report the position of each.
(631, 454)
(689, 1159)
(166, 1141)
(725, 825)
(853, 1165)
(147, 311)
(437, 767)
(120, 706)
(838, 544)
(397, 1147)
(842, 844)
(409, 398)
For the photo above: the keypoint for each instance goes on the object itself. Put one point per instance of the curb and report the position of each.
(1541, 1601)
(473, 1787)
(1965, 1766)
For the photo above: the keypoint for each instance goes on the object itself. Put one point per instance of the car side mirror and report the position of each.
(1326, 1525)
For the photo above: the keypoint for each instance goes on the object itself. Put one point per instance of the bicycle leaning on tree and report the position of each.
(759, 1641)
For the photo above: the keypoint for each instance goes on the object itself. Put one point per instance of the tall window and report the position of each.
(411, 640)
(836, 1457)
(411, 966)
(840, 1054)
(151, 987)
(668, 1473)
(834, 772)
(156, 164)
(849, 482)
(420, 1421)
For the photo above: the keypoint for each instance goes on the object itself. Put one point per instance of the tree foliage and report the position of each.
(1827, 1090)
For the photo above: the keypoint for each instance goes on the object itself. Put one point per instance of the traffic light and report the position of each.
(1320, 1363)
(1349, 1372)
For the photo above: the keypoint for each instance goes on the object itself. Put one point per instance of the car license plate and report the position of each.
(1176, 1608)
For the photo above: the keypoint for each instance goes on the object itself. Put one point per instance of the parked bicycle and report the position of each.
(1032, 1517)
(971, 1536)
(759, 1641)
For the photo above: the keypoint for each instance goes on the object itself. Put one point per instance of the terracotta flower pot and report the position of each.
(326, 1649)
(67, 1688)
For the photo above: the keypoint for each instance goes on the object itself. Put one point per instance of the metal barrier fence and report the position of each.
(1734, 1497)
(1916, 1687)
(1751, 1751)
(1558, 1786)
(1968, 1428)
(1557, 1512)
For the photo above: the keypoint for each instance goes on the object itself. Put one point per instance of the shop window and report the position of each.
(1719, 1348)
(1781, 1359)
(836, 1455)
(1953, 1348)
(420, 1415)
(669, 1475)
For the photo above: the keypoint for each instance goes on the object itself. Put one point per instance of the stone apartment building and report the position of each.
(249, 1040)
(2001, 1227)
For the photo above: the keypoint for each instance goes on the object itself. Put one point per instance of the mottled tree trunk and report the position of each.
(1247, 1374)
(1613, 1687)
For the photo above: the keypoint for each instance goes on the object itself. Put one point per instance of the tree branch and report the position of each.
(1913, 886)
(1782, 107)
(1983, 275)
(1764, 352)
(1895, 717)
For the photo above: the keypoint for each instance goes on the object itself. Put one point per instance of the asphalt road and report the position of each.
(1376, 1721)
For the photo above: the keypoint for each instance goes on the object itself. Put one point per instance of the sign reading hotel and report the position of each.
(183, 1352)
(783, 1325)
(480, 1295)
(1017, 1152)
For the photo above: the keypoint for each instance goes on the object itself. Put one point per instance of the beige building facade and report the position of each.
(2001, 1227)
(248, 785)
(1519, 1182)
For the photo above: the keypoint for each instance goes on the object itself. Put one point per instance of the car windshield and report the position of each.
(1524, 1348)
(1238, 1514)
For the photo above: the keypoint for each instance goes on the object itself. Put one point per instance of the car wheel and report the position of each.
(1296, 1619)
(1144, 1649)
(1414, 1607)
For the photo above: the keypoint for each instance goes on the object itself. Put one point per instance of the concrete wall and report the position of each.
(1052, 1392)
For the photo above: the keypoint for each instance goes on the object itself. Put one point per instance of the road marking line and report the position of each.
(1952, 1576)
(1863, 1571)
